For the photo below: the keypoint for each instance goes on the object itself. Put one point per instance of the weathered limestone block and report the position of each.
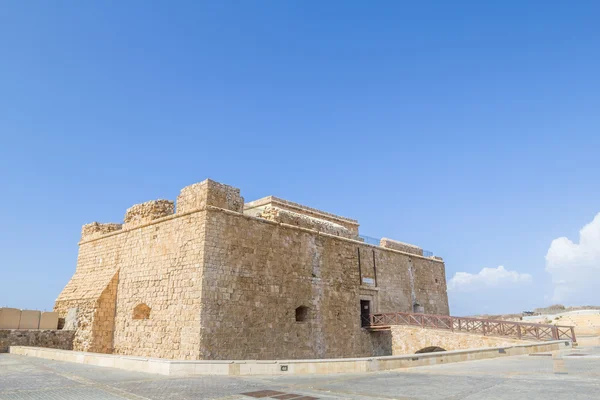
(71, 319)
(289, 217)
(9, 318)
(400, 246)
(211, 193)
(49, 320)
(146, 212)
(85, 309)
(30, 319)
(96, 229)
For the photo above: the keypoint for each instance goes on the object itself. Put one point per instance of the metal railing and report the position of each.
(486, 327)
(370, 240)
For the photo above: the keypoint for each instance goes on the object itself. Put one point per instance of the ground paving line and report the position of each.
(470, 392)
(366, 395)
(89, 383)
(306, 387)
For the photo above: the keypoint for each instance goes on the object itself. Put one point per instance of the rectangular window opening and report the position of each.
(365, 312)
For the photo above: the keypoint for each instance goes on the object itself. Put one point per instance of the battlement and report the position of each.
(95, 229)
(140, 214)
(199, 195)
(209, 193)
(191, 198)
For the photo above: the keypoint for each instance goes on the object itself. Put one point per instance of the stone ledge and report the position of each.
(293, 367)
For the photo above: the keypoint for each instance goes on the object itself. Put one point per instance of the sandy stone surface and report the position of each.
(219, 283)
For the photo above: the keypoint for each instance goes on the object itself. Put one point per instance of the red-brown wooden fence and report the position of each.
(487, 327)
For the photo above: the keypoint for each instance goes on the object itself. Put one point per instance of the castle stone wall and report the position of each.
(259, 272)
(161, 267)
(158, 264)
(209, 282)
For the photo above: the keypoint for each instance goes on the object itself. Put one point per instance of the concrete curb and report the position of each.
(283, 367)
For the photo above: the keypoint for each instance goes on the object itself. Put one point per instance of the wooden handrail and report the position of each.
(488, 327)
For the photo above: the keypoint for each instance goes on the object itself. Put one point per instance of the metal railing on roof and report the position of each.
(370, 240)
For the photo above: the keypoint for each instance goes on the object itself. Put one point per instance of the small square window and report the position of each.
(301, 313)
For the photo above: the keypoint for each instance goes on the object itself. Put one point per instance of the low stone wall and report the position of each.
(14, 318)
(284, 367)
(56, 339)
(410, 339)
(588, 341)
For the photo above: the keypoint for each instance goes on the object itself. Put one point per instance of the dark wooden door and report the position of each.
(365, 311)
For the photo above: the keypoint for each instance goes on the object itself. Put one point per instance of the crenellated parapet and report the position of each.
(95, 229)
(143, 213)
(209, 193)
(192, 198)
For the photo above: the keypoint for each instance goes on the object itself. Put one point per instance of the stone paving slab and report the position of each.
(80, 393)
(520, 377)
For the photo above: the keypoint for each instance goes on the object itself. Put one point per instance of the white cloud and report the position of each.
(575, 267)
(486, 278)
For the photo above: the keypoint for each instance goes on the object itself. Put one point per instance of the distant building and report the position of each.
(528, 313)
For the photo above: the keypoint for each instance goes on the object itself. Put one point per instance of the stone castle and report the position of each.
(222, 279)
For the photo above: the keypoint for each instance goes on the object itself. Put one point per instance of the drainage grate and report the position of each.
(263, 393)
(273, 394)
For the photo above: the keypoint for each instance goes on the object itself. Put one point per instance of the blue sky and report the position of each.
(469, 129)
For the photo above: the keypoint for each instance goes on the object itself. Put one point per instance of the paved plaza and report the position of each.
(569, 374)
